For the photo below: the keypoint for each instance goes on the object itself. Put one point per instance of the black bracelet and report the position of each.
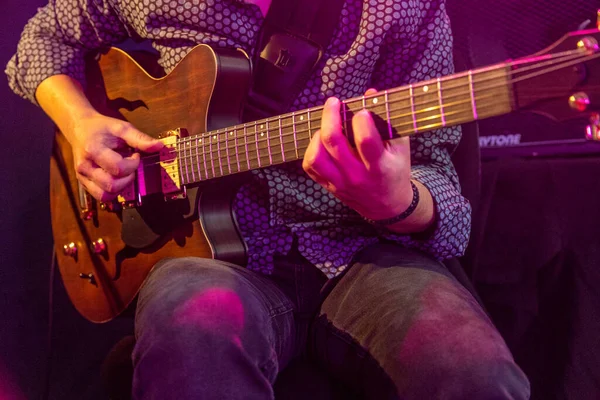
(411, 208)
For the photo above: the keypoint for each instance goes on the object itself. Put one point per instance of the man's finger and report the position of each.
(138, 140)
(95, 190)
(319, 165)
(332, 137)
(368, 141)
(115, 164)
(109, 183)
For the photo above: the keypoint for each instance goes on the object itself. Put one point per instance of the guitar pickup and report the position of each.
(177, 196)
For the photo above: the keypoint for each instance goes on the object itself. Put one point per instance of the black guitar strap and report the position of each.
(291, 43)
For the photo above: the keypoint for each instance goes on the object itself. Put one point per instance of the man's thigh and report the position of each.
(399, 325)
(201, 322)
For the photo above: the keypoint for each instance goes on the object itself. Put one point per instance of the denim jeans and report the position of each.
(395, 325)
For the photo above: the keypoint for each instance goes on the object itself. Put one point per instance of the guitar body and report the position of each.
(104, 253)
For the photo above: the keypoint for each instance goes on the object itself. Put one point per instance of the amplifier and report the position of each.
(491, 31)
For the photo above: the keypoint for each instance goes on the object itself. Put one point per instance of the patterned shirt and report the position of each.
(377, 43)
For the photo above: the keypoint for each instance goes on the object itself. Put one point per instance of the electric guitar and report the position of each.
(180, 202)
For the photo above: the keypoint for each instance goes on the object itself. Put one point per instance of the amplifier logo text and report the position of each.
(500, 140)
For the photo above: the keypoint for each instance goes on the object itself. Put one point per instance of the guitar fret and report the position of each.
(387, 113)
(188, 161)
(191, 156)
(198, 161)
(227, 134)
(256, 139)
(246, 145)
(219, 153)
(443, 116)
(411, 94)
(295, 135)
(269, 145)
(210, 151)
(203, 141)
(309, 125)
(472, 92)
(281, 140)
(237, 155)
(345, 118)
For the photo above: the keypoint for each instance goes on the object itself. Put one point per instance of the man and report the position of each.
(368, 230)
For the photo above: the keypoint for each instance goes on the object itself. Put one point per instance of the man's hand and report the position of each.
(374, 178)
(101, 145)
(101, 151)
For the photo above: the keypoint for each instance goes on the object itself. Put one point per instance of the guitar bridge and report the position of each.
(170, 178)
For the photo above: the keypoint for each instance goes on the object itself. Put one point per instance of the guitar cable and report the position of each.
(46, 392)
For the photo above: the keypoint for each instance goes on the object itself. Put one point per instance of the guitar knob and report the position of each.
(593, 129)
(589, 44)
(98, 246)
(70, 249)
(579, 101)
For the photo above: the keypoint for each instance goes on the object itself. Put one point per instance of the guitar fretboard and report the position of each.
(407, 110)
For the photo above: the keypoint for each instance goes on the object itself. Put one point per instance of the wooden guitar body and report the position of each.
(105, 253)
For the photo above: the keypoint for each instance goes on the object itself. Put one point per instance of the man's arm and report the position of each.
(48, 69)
(63, 100)
(56, 40)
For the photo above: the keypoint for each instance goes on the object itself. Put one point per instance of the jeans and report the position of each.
(395, 325)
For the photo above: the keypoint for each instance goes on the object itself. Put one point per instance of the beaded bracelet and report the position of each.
(411, 208)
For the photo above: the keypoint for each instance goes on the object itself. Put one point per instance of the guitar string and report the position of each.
(363, 99)
(219, 132)
(217, 158)
(191, 156)
(271, 154)
(567, 54)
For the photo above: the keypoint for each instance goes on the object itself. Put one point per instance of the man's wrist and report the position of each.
(403, 215)
(423, 217)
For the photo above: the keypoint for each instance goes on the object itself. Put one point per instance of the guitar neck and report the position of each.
(403, 111)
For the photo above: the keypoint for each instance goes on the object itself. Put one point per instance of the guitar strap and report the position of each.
(292, 41)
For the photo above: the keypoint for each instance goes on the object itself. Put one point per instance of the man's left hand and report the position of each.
(373, 178)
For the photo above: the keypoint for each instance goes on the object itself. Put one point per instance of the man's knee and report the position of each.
(451, 350)
(443, 376)
(209, 316)
(202, 295)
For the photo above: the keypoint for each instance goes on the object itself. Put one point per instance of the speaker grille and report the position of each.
(493, 30)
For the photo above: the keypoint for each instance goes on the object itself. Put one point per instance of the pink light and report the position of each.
(9, 390)
(446, 334)
(216, 310)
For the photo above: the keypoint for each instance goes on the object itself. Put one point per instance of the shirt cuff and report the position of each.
(449, 236)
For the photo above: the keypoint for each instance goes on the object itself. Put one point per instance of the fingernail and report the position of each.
(331, 102)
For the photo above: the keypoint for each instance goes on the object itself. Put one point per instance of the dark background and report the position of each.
(538, 259)
(78, 347)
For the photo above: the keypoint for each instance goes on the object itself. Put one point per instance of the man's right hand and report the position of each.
(104, 152)
(102, 146)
